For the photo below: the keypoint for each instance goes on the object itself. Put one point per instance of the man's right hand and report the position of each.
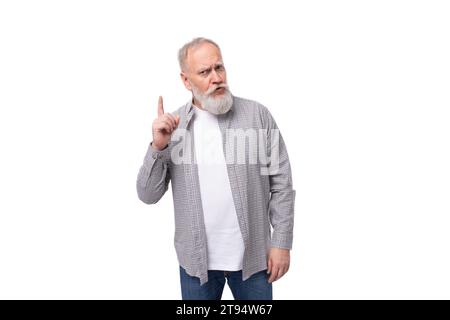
(163, 126)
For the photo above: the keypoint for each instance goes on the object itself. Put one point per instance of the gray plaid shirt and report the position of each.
(263, 199)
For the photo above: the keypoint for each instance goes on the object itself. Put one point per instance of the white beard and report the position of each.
(215, 104)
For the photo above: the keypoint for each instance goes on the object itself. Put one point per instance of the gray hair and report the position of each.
(183, 52)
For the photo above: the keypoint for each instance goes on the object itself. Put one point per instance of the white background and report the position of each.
(359, 90)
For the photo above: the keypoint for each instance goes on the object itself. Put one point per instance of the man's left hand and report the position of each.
(278, 263)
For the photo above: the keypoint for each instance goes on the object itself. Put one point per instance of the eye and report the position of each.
(219, 67)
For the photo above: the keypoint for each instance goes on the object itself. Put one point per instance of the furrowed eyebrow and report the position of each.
(218, 64)
(204, 69)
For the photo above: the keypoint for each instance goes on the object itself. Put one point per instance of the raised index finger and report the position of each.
(160, 106)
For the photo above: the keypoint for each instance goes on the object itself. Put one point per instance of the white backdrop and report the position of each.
(359, 90)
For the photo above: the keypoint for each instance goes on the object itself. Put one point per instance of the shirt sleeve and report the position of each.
(154, 175)
(282, 194)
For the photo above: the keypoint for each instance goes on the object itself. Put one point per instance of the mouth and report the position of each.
(220, 89)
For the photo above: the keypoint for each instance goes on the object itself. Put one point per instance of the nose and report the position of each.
(216, 78)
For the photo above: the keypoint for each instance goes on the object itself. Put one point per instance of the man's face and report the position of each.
(205, 71)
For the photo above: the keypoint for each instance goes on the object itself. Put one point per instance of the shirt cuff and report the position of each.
(281, 240)
(154, 154)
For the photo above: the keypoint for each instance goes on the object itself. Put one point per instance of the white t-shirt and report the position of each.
(224, 238)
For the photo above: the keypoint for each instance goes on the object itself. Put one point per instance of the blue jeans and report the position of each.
(254, 288)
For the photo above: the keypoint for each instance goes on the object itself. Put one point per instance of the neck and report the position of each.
(196, 103)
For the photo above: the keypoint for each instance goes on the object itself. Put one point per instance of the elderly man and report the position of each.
(225, 202)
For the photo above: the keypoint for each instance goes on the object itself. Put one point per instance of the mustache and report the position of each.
(214, 88)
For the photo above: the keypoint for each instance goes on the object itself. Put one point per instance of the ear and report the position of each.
(185, 81)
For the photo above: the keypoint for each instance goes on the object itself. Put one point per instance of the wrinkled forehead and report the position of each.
(203, 55)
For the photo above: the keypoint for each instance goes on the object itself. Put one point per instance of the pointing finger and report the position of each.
(160, 106)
